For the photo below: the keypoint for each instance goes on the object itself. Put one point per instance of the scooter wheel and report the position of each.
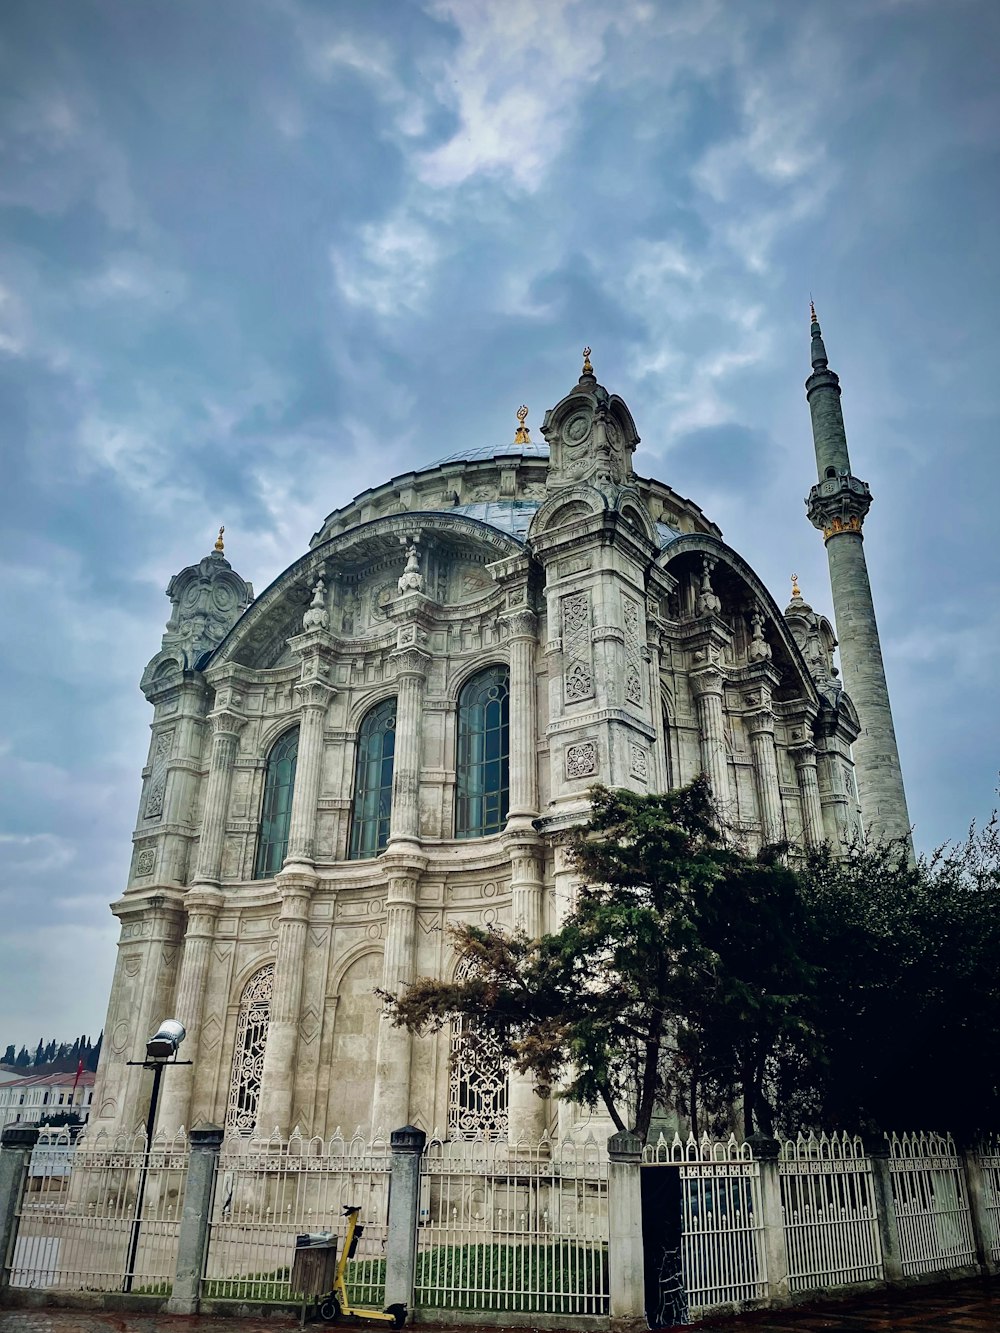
(329, 1309)
(398, 1313)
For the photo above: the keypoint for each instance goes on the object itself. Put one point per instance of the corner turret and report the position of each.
(206, 600)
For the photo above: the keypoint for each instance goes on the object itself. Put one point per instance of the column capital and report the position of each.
(521, 623)
(226, 722)
(203, 900)
(313, 693)
(707, 676)
(410, 659)
(295, 886)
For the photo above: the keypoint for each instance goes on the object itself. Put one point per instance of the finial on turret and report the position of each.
(522, 435)
(796, 590)
(588, 369)
(218, 541)
(812, 312)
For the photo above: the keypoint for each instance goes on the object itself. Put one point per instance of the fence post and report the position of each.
(16, 1144)
(982, 1228)
(877, 1148)
(407, 1146)
(626, 1267)
(192, 1240)
(766, 1151)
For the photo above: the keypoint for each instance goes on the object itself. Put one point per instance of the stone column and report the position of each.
(707, 682)
(278, 1074)
(411, 674)
(226, 727)
(766, 1150)
(16, 1144)
(314, 697)
(626, 1268)
(193, 1232)
(406, 1145)
(527, 1114)
(522, 630)
(808, 778)
(202, 905)
(885, 1210)
(760, 725)
(392, 1064)
(660, 772)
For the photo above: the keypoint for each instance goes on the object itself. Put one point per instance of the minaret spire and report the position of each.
(837, 505)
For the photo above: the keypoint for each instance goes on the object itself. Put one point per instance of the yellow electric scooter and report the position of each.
(335, 1303)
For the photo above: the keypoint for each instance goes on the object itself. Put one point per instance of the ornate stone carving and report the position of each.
(578, 678)
(760, 649)
(411, 579)
(316, 616)
(581, 760)
(145, 861)
(633, 652)
(707, 602)
(153, 808)
(639, 763)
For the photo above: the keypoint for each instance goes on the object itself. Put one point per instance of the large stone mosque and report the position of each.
(394, 736)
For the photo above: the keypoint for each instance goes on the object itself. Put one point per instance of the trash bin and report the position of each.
(315, 1264)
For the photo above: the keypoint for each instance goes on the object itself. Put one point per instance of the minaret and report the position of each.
(837, 505)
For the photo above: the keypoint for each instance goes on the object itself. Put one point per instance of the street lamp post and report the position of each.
(161, 1046)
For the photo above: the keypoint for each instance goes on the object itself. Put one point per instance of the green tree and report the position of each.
(907, 988)
(673, 978)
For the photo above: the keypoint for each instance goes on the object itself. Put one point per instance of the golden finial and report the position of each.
(218, 541)
(588, 369)
(796, 590)
(812, 311)
(522, 435)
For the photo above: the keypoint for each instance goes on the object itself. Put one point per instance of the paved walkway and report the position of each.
(958, 1307)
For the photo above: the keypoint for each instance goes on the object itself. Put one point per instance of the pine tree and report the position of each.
(9, 1055)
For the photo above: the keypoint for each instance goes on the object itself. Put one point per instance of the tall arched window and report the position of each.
(373, 781)
(248, 1052)
(276, 812)
(483, 767)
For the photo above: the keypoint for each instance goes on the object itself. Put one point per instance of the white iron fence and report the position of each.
(989, 1165)
(77, 1226)
(514, 1226)
(268, 1191)
(723, 1258)
(931, 1202)
(830, 1214)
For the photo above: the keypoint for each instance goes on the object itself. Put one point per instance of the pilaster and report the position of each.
(278, 1074)
(394, 1044)
(202, 906)
(760, 721)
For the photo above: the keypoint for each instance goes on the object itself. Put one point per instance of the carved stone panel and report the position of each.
(581, 760)
(578, 673)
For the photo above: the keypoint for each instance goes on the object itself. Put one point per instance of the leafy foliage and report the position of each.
(672, 977)
(907, 993)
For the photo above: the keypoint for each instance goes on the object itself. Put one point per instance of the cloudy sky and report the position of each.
(256, 255)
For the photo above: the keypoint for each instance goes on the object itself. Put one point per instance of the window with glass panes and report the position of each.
(373, 781)
(483, 767)
(276, 812)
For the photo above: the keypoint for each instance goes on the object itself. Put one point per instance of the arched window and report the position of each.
(483, 767)
(478, 1078)
(276, 812)
(248, 1052)
(373, 781)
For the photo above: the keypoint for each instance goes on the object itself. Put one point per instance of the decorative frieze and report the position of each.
(158, 775)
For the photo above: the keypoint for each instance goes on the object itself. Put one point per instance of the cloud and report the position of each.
(28, 855)
(515, 83)
(388, 268)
